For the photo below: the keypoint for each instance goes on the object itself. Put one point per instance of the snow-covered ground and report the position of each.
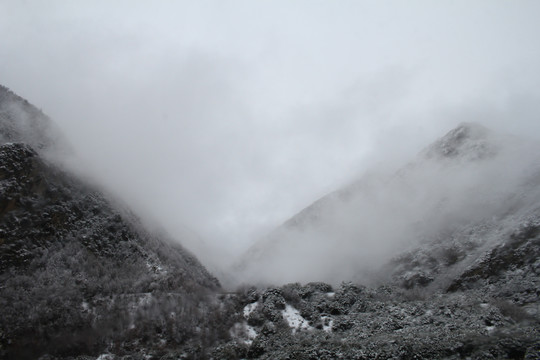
(243, 332)
(249, 308)
(294, 319)
(327, 323)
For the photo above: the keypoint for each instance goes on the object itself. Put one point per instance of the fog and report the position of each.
(224, 119)
(485, 185)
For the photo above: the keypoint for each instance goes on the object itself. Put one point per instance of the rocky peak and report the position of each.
(470, 141)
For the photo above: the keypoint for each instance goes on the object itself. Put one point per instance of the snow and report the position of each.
(294, 319)
(85, 306)
(105, 357)
(243, 332)
(145, 299)
(328, 323)
(154, 266)
(251, 333)
(249, 308)
(331, 294)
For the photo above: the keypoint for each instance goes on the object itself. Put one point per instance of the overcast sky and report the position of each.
(227, 117)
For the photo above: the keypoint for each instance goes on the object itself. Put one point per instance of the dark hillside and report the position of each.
(78, 272)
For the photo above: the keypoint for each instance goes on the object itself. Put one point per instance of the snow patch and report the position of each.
(145, 299)
(155, 267)
(243, 332)
(85, 306)
(105, 357)
(294, 319)
(327, 323)
(249, 308)
(251, 333)
(331, 294)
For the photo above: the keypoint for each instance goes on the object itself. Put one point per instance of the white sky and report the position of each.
(229, 116)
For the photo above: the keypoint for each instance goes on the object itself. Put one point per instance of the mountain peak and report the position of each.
(469, 140)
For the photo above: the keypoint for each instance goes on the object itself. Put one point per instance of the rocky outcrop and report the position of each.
(468, 140)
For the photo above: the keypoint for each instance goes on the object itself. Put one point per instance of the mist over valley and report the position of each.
(269, 180)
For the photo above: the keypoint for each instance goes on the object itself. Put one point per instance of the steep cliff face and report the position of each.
(75, 267)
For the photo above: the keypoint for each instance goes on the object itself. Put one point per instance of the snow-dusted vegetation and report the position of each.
(82, 278)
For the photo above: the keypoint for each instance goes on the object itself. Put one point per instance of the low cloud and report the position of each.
(224, 120)
(352, 233)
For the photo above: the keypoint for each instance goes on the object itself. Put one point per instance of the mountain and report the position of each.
(439, 260)
(444, 258)
(79, 273)
(463, 195)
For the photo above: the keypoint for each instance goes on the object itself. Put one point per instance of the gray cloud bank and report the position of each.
(470, 178)
(224, 118)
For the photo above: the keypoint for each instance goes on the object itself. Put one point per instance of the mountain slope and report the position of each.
(77, 271)
(21, 122)
(466, 182)
(449, 246)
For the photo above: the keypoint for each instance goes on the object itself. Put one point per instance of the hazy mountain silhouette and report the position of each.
(444, 258)
(470, 179)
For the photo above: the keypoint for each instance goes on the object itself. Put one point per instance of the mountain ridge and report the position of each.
(82, 277)
(462, 176)
(64, 243)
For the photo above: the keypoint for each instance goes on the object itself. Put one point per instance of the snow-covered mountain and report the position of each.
(459, 198)
(450, 244)
(449, 247)
(78, 270)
